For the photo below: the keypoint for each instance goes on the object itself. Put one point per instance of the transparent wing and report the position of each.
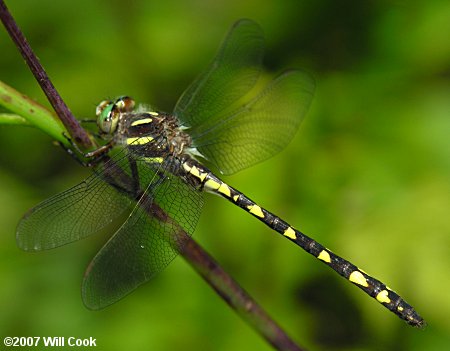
(232, 73)
(260, 128)
(147, 242)
(78, 212)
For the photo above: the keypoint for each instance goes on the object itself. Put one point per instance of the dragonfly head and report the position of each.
(108, 113)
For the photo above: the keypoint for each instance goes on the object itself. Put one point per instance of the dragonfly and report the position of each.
(152, 174)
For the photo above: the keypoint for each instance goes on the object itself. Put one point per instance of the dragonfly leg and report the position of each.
(134, 175)
(88, 120)
(94, 156)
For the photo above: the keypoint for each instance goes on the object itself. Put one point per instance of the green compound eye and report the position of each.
(109, 112)
(101, 106)
(108, 118)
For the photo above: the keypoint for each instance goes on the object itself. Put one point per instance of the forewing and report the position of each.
(75, 213)
(232, 73)
(147, 242)
(260, 128)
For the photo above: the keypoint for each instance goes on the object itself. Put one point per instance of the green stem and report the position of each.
(32, 112)
(12, 119)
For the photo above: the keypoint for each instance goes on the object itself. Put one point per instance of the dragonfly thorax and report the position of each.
(140, 128)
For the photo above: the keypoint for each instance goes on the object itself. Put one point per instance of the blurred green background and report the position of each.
(367, 175)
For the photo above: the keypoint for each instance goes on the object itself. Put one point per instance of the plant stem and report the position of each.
(236, 297)
(13, 120)
(34, 113)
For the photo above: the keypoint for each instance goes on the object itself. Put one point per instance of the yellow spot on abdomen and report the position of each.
(256, 210)
(400, 308)
(212, 184)
(139, 140)
(290, 233)
(324, 256)
(383, 296)
(153, 113)
(186, 167)
(235, 198)
(141, 121)
(196, 173)
(224, 189)
(357, 278)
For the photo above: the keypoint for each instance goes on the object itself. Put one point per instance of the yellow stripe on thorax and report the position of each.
(139, 140)
(154, 159)
(141, 121)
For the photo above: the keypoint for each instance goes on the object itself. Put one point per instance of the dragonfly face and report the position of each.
(109, 113)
